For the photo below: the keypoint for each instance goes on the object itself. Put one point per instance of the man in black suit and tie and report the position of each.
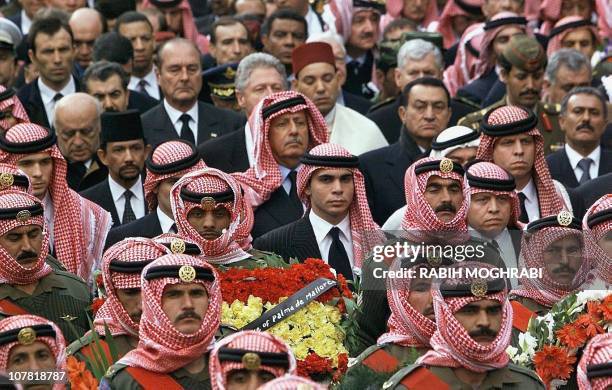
(583, 120)
(338, 227)
(52, 52)
(425, 111)
(166, 164)
(180, 115)
(258, 75)
(123, 150)
(77, 126)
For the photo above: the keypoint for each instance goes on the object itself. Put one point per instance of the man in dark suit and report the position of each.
(56, 80)
(585, 195)
(258, 75)
(167, 163)
(123, 151)
(180, 115)
(108, 82)
(429, 64)
(334, 228)
(425, 112)
(77, 126)
(583, 120)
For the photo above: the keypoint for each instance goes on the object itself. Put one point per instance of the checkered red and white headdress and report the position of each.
(44, 330)
(161, 347)
(191, 192)
(171, 159)
(9, 99)
(264, 177)
(593, 371)
(21, 209)
(564, 27)
(519, 120)
(539, 236)
(291, 382)
(419, 217)
(452, 345)
(597, 222)
(79, 226)
(228, 353)
(488, 177)
(122, 265)
(365, 232)
(13, 178)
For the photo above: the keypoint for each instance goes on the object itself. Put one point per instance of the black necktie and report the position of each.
(585, 165)
(293, 196)
(57, 97)
(524, 217)
(173, 228)
(337, 258)
(186, 133)
(142, 87)
(128, 213)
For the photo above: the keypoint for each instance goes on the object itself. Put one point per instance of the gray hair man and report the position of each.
(566, 69)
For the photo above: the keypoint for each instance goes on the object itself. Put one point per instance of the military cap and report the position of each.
(387, 54)
(221, 81)
(525, 53)
(433, 37)
(10, 36)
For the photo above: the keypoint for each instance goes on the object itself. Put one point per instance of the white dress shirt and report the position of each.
(150, 86)
(137, 200)
(314, 24)
(506, 248)
(26, 22)
(49, 210)
(249, 144)
(175, 115)
(532, 204)
(164, 221)
(286, 181)
(574, 158)
(321, 230)
(47, 94)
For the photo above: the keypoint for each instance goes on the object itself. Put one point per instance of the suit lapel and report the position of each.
(208, 125)
(398, 161)
(109, 204)
(280, 207)
(304, 240)
(37, 107)
(605, 162)
(239, 158)
(567, 170)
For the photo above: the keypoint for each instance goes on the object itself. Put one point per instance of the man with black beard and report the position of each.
(123, 151)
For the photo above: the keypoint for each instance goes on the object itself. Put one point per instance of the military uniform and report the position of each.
(119, 377)
(82, 348)
(417, 377)
(548, 123)
(60, 297)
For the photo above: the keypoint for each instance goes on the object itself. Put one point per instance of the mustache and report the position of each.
(216, 232)
(366, 35)
(188, 314)
(295, 139)
(446, 206)
(530, 92)
(563, 269)
(585, 125)
(27, 255)
(482, 332)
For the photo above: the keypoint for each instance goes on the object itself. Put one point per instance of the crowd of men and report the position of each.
(158, 142)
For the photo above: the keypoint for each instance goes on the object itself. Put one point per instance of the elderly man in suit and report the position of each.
(583, 120)
(123, 150)
(180, 115)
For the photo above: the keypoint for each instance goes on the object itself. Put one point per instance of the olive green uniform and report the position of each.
(507, 378)
(61, 297)
(121, 343)
(258, 259)
(120, 379)
(548, 123)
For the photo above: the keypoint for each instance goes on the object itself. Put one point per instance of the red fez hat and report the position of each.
(310, 53)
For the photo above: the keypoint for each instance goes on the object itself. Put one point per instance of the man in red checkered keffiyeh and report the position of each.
(597, 224)
(79, 227)
(181, 311)
(481, 347)
(11, 110)
(594, 370)
(201, 196)
(13, 178)
(227, 359)
(510, 124)
(291, 382)
(48, 340)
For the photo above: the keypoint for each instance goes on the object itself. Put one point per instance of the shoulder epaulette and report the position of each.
(70, 275)
(380, 104)
(76, 345)
(415, 376)
(114, 370)
(552, 108)
(525, 371)
(377, 359)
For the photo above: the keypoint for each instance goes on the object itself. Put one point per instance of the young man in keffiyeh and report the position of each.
(437, 201)
(121, 267)
(455, 18)
(597, 228)
(594, 370)
(181, 311)
(511, 140)
(77, 227)
(13, 178)
(167, 163)
(28, 282)
(473, 324)
(552, 11)
(573, 32)
(338, 226)
(11, 110)
(555, 245)
(283, 126)
(31, 343)
(248, 359)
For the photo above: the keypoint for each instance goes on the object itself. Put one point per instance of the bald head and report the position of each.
(77, 125)
(86, 25)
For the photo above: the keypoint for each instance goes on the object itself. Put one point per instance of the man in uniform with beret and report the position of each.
(10, 38)
(522, 70)
(220, 86)
(123, 151)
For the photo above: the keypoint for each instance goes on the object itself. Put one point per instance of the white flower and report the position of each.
(550, 323)
(511, 351)
(591, 295)
(522, 359)
(528, 343)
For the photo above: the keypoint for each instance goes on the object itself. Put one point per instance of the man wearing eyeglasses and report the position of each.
(77, 125)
